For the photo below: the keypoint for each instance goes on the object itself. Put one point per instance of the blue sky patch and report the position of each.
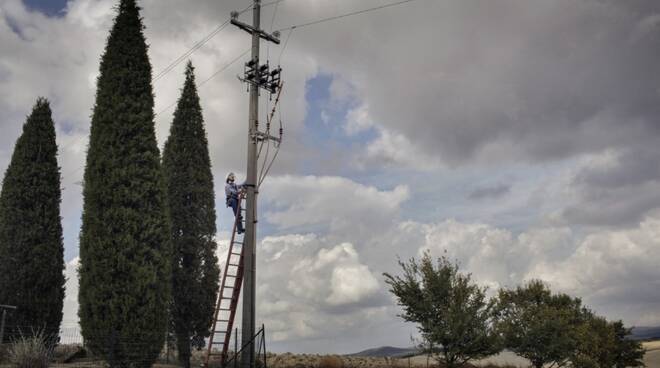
(51, 8)
(325, 132)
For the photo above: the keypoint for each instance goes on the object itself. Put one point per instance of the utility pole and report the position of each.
(257, 76)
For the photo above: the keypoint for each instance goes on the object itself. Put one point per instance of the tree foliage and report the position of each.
(31, 247)
(125, 249)
(538, 325)
(451, 311)
(604, 344)
(627, 352)
(189, 182)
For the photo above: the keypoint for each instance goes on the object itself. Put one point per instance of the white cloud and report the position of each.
(522, 91)
(358, 120)
(70, 310)
(336, 203)
(611, 267)
(310, 288)
(350, 281)
(396, 150)
(614, 272)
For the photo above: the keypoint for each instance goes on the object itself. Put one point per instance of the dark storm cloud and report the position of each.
(507, 80)
(449, 82)
(633, 167)
(493, 191)
(619, 192)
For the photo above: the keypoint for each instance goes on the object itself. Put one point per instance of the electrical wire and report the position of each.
(218, 29)
(279, 59)
(265, 168)
(272, 19)
(196, 46)
(192, 50)
(225, 67)
(272, 161)
(180, 59)
(345, 15)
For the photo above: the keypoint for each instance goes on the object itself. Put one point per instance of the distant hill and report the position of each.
(646, 333)
(638, 333)
(386, 351)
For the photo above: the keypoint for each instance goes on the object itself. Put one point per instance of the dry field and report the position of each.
(652, 357)
(289, 360)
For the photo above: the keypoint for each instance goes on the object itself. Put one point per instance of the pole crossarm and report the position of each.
(257, 76)
(265, 136)
(262, 34)
(2, 306)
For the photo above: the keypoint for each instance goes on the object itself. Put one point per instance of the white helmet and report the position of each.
(231, 177)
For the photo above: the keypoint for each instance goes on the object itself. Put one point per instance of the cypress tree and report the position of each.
(189, 182)
(31, 247)
(125, 252)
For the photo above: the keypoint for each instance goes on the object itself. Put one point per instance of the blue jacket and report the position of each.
(232, 190)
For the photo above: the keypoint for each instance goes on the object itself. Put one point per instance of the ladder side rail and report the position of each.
(234, 306)
(222, 284)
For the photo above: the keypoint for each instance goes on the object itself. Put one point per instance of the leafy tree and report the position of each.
(538, 325)
(595, 343)
(603, 344)
(31, 248)
(125, 249)
(450, 310)
(187, 168)
(627, 352)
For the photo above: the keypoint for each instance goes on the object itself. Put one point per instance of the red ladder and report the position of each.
(225, 308)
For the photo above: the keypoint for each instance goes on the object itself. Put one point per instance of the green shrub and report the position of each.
(30, 352)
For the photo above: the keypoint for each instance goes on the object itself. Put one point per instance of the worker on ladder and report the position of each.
(232, 192)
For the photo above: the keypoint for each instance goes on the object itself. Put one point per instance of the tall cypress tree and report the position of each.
(125, 251)
(189, 182)
(31, 248)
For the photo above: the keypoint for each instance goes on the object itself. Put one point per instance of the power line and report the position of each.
(198, 45)
(225, 67)
(272, 19)
(345, 15)
(284, 46)
(181, 58)
(192, 50)
(218, 29)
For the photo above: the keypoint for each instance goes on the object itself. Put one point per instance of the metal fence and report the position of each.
(68, 350)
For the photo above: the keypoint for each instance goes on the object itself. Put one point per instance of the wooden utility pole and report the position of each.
(257, 76)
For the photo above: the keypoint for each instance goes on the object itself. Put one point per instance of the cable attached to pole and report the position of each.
(345, 15)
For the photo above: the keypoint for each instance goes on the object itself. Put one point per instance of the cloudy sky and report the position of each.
(520, 137)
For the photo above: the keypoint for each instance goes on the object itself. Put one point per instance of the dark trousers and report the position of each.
(233, 203)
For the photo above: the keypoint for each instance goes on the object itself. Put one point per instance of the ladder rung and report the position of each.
(225, 309)
(218, 343)
(234, 276)
(236, 254)
(227, 297)
(223, 320)
(215, 332)
(228, 287)
(235, 264)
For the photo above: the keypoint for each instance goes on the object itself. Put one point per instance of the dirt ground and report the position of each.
(288, 360)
